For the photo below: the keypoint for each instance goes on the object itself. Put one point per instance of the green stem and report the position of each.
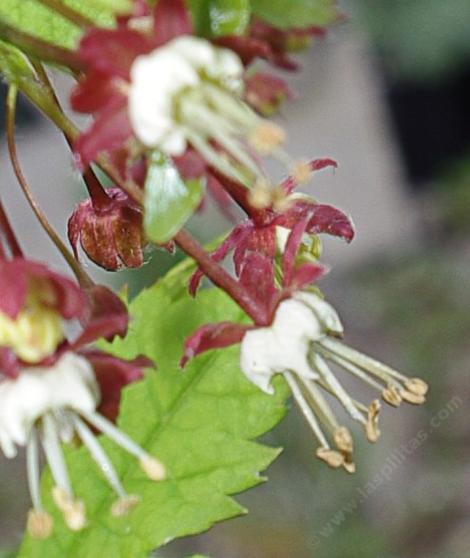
(80, 274)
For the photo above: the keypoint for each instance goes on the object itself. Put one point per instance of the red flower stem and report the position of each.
(11, 240)
(79, 273)
(68, 13)
(39, 48)
(220, 277)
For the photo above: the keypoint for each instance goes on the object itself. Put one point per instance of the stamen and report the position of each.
(306, 411)
(372, 426)
(259, 196)
(367, 363)
(213, 157)
(343, 440)
(301, 172)
(99, 456)
(332, 457)
(55, 457)
(320, 405)
(266, 137)
(417, 386)
(349, 367)
(39, 524)
(337, 388)
(124, 505)
(412, 398)
(392, 396)
(32, 467)
(281, 202)
(154, 469)
(210, 124)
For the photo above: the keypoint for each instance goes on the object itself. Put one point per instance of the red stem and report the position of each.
(10, 237)
(220, 277)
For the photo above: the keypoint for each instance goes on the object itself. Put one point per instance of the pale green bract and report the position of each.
(200, 422)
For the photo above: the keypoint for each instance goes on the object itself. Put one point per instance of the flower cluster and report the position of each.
(153, 87)
(52, 389)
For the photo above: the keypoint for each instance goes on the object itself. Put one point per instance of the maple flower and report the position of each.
(300, 343)
(170, 90)
(266, 230)
(52, 390)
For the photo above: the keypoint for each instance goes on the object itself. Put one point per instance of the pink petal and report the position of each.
(92, 93)
(109, 131)
(171, 19)
(113, 374)
(212, 336)
(292, 247)
(108, 317)
(290, 182)
(257, 277)
(247, 48)
(219, 254)
(305, 274)
(323, 219)
(113, 51)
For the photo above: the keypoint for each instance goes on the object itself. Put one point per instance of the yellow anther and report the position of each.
(267, 137)
(39, 524)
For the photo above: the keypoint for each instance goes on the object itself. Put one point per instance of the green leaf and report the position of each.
(201, 423)
(14, 65)
(169, 201)
(296, 13)
(214, 18)
(35, 19)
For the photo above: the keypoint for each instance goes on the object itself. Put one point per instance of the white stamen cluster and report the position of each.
(191, 92)
(299, 344)
(49, 405)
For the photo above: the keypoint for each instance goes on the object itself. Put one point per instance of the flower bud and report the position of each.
(111, 234)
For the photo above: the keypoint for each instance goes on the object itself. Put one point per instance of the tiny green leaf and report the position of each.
(215, 18)
(169, 201)
(297, 13)
(14, 65)
(200, 422)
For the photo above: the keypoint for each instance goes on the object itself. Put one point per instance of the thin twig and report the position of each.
(80, 274)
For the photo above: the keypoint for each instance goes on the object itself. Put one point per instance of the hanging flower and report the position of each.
(170, 90)
(52, 389)
(300, 343)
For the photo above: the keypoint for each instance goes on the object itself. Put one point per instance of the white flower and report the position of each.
(298, 344)
(190, 92)
(51, 405)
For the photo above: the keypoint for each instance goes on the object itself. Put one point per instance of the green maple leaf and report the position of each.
(201, 423)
